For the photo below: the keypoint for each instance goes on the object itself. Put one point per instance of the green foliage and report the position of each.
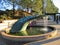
(5, 17)
(37, 6)
(26, 3)
(51, 7)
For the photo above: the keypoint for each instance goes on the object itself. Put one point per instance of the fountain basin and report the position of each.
(19, 39)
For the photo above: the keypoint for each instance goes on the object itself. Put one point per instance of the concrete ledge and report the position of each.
(11, 38)
(6, 24)
(29, 38)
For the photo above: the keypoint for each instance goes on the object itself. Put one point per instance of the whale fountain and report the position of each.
(20, 27)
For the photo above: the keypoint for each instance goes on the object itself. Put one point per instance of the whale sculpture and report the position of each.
(22, 23)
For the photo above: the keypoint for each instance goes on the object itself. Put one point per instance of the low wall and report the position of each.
(3, 26)
(6, 24)
(7, 21)
(10, 22)
(56, 26)
(29, 38)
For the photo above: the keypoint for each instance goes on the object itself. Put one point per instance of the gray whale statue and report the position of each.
(22, 23)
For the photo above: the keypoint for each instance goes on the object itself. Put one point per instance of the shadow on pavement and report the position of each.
(44, 42)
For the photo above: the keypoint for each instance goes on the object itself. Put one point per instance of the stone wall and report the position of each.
(6, 24)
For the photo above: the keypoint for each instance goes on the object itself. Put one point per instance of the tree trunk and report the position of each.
(13, 9)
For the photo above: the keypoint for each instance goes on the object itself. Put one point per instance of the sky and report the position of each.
(57, 3)
(4, 4)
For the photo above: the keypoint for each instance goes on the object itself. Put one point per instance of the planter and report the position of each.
(16, 40)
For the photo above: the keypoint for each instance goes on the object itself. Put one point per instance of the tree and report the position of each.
(51, 8)
(13, 1)
(25, 4)
(13, 4)
(37, 6)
